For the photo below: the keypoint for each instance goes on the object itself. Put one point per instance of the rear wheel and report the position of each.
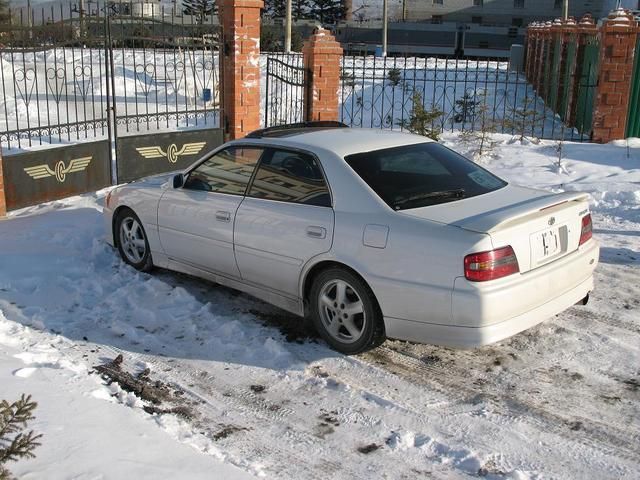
(132, 241)
(345, 312)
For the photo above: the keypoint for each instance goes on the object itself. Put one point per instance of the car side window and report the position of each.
(228, 171)
(290, 177)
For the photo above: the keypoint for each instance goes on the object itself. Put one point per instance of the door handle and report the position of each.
(223, 216)
(316, 232)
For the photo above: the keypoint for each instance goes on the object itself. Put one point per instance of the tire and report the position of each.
(131, 240)
(344, 312)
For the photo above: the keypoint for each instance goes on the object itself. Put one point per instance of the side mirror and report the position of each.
(178, 180)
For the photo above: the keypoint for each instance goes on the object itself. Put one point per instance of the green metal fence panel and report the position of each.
(555, 75)
(588, 80)
(566, 79)
(633, 119)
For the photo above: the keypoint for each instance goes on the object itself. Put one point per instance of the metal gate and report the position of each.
(587, 82)
(285, 84)
(113, 73)
(633, 120)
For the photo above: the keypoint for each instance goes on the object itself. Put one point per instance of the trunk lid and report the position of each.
(540, 226)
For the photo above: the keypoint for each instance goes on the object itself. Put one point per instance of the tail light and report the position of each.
(483, 266)
(587, 229)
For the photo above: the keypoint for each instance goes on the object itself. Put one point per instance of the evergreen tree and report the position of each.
(15, 443)
(466, 108)
(525, 120)
(199, 8)
(394, 76)
(480, 137)
(278, 8)
(327, 11)
(422, 121)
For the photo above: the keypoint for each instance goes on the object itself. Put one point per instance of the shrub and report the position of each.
(15, 441)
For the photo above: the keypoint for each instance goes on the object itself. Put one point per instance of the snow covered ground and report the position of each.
(561, 400)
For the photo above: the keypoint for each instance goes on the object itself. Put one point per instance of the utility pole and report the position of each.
(287, 28)
(565, 9)
(385, 21)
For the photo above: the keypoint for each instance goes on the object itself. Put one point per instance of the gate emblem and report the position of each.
(172, 154)
(60, 171)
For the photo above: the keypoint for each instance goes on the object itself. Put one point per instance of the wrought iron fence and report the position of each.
(457, 94)
(112, 68)
(285, 83)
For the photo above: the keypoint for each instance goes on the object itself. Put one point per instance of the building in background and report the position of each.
(485, 12)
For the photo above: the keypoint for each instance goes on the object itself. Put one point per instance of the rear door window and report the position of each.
(290, 176)
(420, 175)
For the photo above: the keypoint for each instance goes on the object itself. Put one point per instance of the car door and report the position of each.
(285, 220)
(195, 222)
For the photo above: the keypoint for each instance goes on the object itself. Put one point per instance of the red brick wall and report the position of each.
(322, 56)
(240, 87)
(617, 44)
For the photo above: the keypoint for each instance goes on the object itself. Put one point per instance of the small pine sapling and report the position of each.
(15, 442)
(466, 108)
(348, 79)
(481, 136)
(524, 121)
(422, 121)
(559, 147)
(394, 76)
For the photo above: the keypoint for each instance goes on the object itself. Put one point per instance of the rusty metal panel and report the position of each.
(142, 155)
(44, 175)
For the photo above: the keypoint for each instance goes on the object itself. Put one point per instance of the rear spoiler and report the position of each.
(497, 219)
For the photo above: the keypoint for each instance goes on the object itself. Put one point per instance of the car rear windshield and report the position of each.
(420, 175)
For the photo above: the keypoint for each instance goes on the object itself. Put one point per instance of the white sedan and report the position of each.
(371, 234)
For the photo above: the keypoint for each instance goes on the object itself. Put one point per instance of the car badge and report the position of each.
(551, 221)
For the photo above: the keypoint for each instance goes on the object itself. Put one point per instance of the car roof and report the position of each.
(341, 141)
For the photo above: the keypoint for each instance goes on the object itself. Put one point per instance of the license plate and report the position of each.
(545, 245)
(550, 243)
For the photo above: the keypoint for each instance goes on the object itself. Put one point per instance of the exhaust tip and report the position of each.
(584, 301)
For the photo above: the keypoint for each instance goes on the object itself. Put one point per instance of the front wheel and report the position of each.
(132, 241)
(345, 312)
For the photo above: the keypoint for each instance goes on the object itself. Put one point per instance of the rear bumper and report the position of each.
(484, 313)
(471, 337)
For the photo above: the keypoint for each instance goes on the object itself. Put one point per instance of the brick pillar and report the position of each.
(617, 44)
(240, 87)
(543, 53)
(322, 55)
(3, 200)
(585, 32)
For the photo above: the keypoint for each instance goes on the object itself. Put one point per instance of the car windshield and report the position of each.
(420, 175)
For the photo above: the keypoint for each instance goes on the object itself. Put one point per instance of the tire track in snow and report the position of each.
(246, 409)
(507, 408)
